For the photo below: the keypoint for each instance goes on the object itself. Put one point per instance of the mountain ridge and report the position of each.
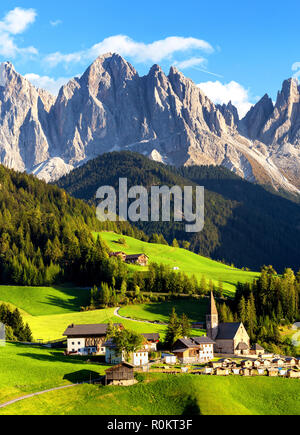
(166, 117)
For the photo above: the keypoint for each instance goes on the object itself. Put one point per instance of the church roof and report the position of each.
(227, 331)
(212, 305)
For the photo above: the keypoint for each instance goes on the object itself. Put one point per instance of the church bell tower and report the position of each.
(212, 319)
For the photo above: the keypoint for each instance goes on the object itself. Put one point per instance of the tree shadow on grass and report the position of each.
(194, 309)
(60, 357)
(77, 298)
(192, 407)
(82, 376)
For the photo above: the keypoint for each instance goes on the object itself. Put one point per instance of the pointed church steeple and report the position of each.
(212, 319)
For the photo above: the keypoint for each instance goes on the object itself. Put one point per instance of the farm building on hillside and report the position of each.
(120, 254)
(231, 338)
(194, 350)
(87, 339)
(140, 259)
(121, 374)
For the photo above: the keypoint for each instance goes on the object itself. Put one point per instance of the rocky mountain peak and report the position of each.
(256, 118)
(230, 114)
(111, 108)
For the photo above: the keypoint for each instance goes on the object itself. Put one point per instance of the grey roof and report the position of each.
(124, 363)
(185, 343)
(203, 340)
(87, 330)
(227, 331)
(152, 337)
(132, 257)
(242, 346)
(257, 346)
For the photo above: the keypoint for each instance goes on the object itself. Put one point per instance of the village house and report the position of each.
(247, 363)
(222, 371)
(291, 362)
(119, 254)
(151, 341)
(230, 338)
(87, 339)
(168, 358)
(140, 259)
(278, 362)
(291, 373)
(257, 349)
(138, 358)
(194, 350)
(121, 374)
(272, 372)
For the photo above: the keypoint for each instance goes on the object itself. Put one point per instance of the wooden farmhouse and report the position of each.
(121, 374)
(194, 350)
(230, 338)
(140, 259)
(87, 339)
(119, 254)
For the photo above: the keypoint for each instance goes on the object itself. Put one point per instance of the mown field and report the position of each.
(49, 311)
(187, 261)
(27, 369)
(196, 310)
(171, 395)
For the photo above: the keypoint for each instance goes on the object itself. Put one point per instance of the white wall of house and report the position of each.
(77, 346)
(206, 352)
(140, 358)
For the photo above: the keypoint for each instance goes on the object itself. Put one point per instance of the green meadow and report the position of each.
(171, 395)
(196, 310)
(28, 369)
(186, 261)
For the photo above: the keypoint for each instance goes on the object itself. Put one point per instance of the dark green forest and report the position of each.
(263, 306)
(245, 224)
(46, 236)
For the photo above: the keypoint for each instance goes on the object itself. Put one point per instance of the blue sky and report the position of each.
(233, 49)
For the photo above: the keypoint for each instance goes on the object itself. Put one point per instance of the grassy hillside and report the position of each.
(42, 301)
(244, 224)
(187, 261)
(196, 310)
(170, 395)
(27, 369)
(49, 311)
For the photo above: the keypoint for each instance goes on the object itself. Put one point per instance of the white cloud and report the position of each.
(15, 22)
(44, 82)
(221, 93)
(55, 23)
(139, 51)
(190, 63)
